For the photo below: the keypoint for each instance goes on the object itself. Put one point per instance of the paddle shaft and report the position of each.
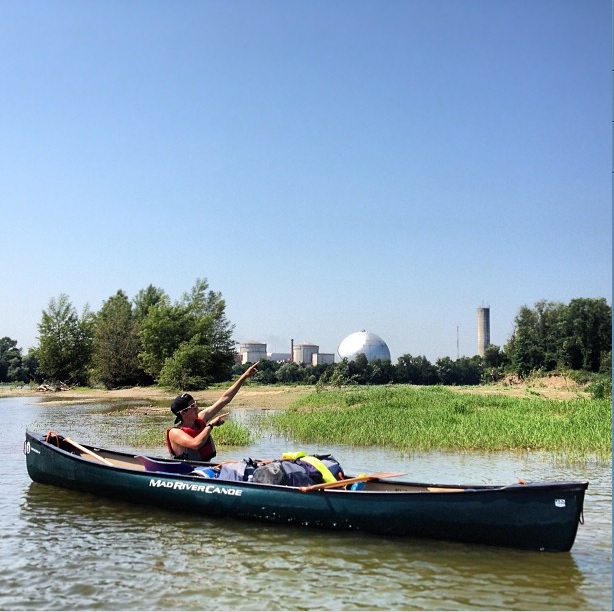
(347, 481)
(87, 451)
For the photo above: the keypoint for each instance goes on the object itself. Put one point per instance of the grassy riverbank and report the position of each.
(545, 414)
(437, 418)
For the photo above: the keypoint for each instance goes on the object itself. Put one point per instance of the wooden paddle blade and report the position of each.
(387, 474)
(348, 481)
(87, 451)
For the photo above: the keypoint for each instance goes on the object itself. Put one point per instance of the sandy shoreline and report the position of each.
(155, 397)
(261, 397)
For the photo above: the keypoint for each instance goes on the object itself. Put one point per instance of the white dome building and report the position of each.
(371, 345)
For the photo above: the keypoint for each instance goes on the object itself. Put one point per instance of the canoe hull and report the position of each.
(536, 516)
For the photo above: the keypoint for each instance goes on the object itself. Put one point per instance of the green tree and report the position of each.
(359, 369)
(381, 372)
(494, 357)
(290, 372)
(463, 371)
(468, 370)
(415, 371)
(321, 371)
(116, 344)
(162, 331)
(30, 365)
(588, 333)
(186, 369)
(212, 329)
(146, 298)
(65, 342)
(342, 374)
(10, 360)
(524, 347)
(493, 363)
(606, 363)
(445, 370)
(198, 326)
(267, 371)
(554, 335)
(549, 332)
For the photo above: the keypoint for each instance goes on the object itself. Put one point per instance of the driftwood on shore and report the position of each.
(53, 387)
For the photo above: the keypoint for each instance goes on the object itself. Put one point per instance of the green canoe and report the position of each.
(541, 516)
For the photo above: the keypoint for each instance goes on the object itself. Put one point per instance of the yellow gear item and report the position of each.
(327, 475)
(293, 455)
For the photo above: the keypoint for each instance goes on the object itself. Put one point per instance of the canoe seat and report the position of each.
(172, 467)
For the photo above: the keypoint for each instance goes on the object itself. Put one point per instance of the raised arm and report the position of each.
(206, 414)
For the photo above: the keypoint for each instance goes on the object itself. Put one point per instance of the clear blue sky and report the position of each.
(327, 166)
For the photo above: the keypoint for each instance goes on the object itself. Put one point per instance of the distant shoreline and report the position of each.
(261, 397)
(281, 397)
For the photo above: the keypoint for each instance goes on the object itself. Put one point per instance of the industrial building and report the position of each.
(357, 343)
(307, 353)
(483, 330)
(366, 343)
(278, 357)
(252, 351)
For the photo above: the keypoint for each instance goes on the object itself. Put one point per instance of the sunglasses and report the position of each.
(192, 405)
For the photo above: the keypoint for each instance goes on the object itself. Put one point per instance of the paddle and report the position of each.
(87, 451)
(347, 481)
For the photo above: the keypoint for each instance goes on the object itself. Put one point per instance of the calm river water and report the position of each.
(61, 550)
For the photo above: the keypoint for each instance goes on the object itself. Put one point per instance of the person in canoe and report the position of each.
(190, 438)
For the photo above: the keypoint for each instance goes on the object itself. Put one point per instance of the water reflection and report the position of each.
(95, 549)
(67, 550)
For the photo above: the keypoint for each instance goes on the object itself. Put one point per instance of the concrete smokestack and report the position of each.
(483, 330)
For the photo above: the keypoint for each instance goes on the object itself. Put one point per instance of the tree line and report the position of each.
(187, 344)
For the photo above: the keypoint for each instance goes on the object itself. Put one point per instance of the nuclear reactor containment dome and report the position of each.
(371, 345)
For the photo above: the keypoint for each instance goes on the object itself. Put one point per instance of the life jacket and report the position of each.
(205, 452)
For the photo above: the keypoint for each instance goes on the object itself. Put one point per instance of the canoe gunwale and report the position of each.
(515, 515)
(128, 461)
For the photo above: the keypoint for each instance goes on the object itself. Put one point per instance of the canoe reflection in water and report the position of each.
(542, 516)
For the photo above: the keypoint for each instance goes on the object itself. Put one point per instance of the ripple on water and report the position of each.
(64, 550)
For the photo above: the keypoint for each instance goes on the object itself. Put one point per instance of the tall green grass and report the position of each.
(435, 418)
(231, 434)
